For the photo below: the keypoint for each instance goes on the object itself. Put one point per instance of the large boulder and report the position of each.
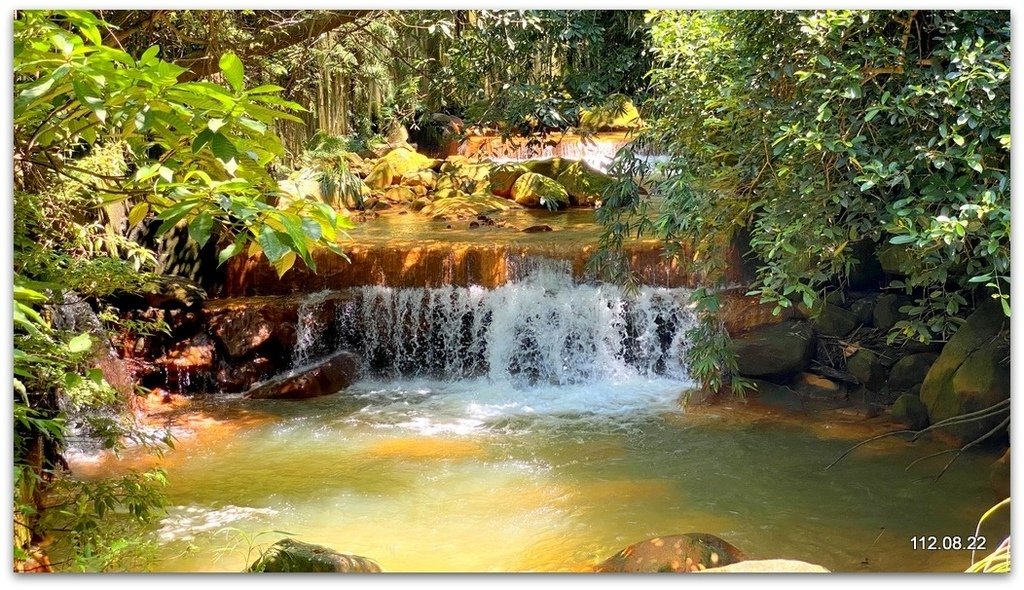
(910, 371)
(550, 167)
(396, 163)
(245, 326)
(324, 377)
(503, 177)
(868, 368)
(768, 566)
(425, 178)
(584, 184)
(289, 555)
(833, 320)
(451, 203)
(684, 553)
(537, 191)
(972, 373)
(781, 349)
(887, 311)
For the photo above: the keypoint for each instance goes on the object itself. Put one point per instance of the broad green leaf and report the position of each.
(138, 213)
(200, 228)
(80, 343)
(149, 56)
(233, 71)
(273, 243)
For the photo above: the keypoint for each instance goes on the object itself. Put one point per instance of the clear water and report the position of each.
(537, 427)
(476, 476)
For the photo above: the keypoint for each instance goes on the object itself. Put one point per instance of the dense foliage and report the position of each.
(94, 126)
(817, 132)
(534, 69)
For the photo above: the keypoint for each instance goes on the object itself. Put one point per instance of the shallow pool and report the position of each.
(478, 476)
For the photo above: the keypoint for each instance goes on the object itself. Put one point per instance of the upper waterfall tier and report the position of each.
(404, 251)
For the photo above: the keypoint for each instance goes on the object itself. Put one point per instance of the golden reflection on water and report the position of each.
(538, 495)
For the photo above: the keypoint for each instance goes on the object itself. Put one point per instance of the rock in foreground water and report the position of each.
(684, 553)
(289, 555)
(324, 377)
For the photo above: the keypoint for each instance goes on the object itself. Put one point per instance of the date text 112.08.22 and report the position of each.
(948, 543)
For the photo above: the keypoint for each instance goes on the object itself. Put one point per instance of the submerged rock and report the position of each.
(289, 555)
(909, 410)
(684, 553)
(324, 377)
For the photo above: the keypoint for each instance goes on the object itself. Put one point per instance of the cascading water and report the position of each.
(310, 329)
(540, 330)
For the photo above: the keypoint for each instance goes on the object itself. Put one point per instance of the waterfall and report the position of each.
(310, 329)
(540, 329)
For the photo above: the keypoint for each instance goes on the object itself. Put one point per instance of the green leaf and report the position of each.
(149, 56)
(233, 71)
(138, 213)
(223, 148)
(79, 344)
(824, 61)
(200, 228)
(273, 244)
(201, 140)
(903, 239)
(228, 252)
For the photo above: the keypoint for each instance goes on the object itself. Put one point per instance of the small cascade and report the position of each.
(539, 329)
(597, 150)
(311, 328)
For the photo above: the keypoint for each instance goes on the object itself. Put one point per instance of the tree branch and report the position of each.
(271, 40)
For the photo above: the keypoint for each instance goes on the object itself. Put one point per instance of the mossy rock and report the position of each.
(452, 203)
(910, 371)
(425, 178)
(617, 113)
(833, 320)
(400, 194)
(289, 555)
(896, 259)
(864, 311)
(779, 349)
(537, 191)
(887, 311)
(909, 410)
(550, 167)
(504, 176)
(584, 184)
(971, 373)
(686, 553)
(868, 368)
(405, 159)
(382, 175)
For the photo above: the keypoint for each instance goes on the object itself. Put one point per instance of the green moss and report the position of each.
(535, 190)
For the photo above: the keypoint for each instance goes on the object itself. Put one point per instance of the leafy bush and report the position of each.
(818, 130)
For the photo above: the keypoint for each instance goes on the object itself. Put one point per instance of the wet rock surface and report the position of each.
(323, 377)
(686, 553)
(289, 555)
